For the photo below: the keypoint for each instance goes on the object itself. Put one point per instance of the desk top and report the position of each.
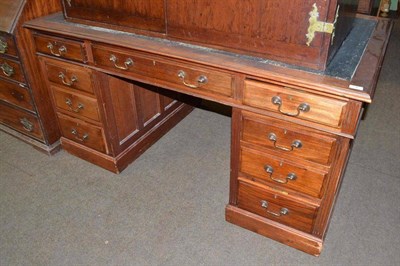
(353, 72)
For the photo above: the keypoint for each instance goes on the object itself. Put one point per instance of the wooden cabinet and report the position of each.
(365, 6)
(25, 112)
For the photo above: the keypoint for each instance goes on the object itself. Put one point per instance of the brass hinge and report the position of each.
(320, 26)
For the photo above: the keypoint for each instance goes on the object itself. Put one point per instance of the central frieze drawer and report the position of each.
(276, 207)
(174, 74)
(288, 139)
(294, 103)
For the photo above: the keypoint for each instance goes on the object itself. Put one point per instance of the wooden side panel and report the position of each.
(149, 105)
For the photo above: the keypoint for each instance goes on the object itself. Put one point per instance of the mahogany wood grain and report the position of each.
(17, 73)
(8, 39)
(13, 93)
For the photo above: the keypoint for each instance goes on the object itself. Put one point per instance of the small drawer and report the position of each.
(7, 45)
(83, 133)
(76, 104)
(192, 78)
(276, 207)
(288, 139)
(294, 103)
(69, 75)
(15, 94)
(61, 48)
(11, 69)
(21, 121)
(277, 171)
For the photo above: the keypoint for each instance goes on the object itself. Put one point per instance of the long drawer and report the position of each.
(276, 207)
(176, 74)
(11, 69)
(13, 93)
(21, 121)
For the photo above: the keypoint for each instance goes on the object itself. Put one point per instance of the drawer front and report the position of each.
(288, 139)
(12, 70)
(7, 45)
(61, 48)
(277, 171)
(276, 207)
(76, 104)
(21, 121)
(295, 103)
(82, 133)
(191, 78)
(13, 93)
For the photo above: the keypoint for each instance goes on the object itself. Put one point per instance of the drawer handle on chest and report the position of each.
(303, 107)
(73, 79)
(295, 144)
(62, 50)
(77, 137)
(3, 47)
(201, 80)
(282, 212)
(291, 176)
(28, 126)
(80, 106)
(128, 62)
(7, 69)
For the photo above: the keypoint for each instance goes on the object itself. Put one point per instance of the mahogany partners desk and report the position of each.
(116, 93)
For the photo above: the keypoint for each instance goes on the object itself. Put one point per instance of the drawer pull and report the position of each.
(3, 47)
(303, 107)
(201, 80)
(61, 50)
(73, 79)
(80, 106)
(28, 126)
(17, 95)
(77, 137)
(295, 144)
(291, 176)
(128, 62)
(7, 69)
(282, 212)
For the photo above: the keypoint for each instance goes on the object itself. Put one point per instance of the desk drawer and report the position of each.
(288, 139)
(76, 104)
(83, 133)
(295, 103)
(276, 207)
(11, 69)
(188, 77)
(69, 75)
(22, 121)
(61, 48)
(277, 171)
(7, 45)
(13, 93)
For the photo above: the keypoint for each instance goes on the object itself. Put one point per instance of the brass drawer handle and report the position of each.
(7, 69)
(77, 137)
(80, 106)
(73, 79)
(28, 126)
(291, 176)
(61, 50)
(303, 107)
(201, 80)
(282, 212)
(295, 144)
(3, 47)
(128, 62)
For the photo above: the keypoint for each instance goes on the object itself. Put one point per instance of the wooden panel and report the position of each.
(11, 69)
(69, 75)
(365, 6)
(13, 93)
(316, 146)
(322, 110)
(306, 180)
(135, 14)
(299, 215)
(24, 122)
(9, 13)
(7, 45)
(61, 48)
(149, 105)
(76, 104)
(83, 133)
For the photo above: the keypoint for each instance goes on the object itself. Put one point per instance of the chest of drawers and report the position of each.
(25, 112)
